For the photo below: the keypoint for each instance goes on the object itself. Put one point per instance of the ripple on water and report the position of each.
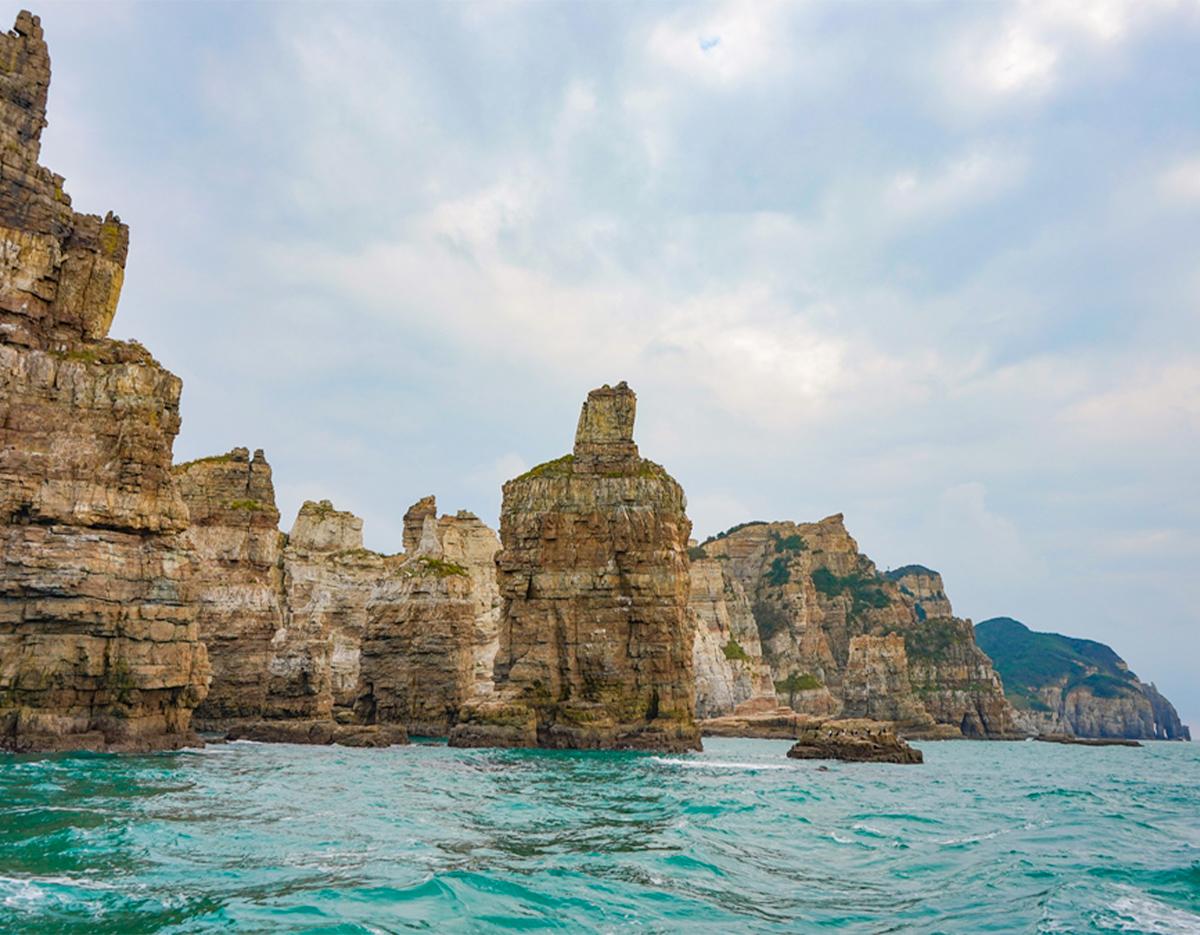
(738, 838)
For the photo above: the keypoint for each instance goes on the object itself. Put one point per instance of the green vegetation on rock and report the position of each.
(734, 652)
(779, 573)
(1028, 661)
(732, 529)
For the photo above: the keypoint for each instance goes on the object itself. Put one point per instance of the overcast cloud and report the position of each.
(930, 265)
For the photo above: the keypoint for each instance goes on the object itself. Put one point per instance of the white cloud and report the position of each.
(1181, 182)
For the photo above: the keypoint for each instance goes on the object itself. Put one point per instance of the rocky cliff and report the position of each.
(596, 641)
(98, 639)
(236, 576)
(812, 593)
(1062, 685)
(311, 633)
(726, 657)
(432, 628)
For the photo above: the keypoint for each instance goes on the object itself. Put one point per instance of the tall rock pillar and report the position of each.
(595, 637)
(98, 637)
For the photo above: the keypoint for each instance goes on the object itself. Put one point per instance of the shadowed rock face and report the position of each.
(595, 640)
(98, 639)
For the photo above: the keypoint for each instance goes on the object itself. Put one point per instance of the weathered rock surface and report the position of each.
(727, 656)
(877, 685)
(236, 577)
(1062, 685)
(595, 639)
(812, 593)
(854, 740)
(311, 631)
(98, 641)
(432, 625)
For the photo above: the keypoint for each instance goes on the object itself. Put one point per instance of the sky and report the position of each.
(930, 265)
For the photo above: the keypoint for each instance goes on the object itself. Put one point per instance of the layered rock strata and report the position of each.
(813, 593)
(236, 576)
(596, 641)
(99, 646)
(432, 626)
(312, 634)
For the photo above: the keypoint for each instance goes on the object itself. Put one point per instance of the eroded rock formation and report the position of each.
(236, 577)
(312, 634)
(853, 740)
(595, 639)
(813, 593)
(432, 630)
(98, 639)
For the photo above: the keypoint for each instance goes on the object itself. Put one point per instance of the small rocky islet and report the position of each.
(141, 601)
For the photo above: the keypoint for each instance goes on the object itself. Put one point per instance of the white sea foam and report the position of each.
(1140, 914)
(718, 764)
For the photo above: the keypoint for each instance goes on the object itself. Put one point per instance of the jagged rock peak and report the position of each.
(61, 272)
(414, 521)
(25, 78)
(321, 528)
(604, 436)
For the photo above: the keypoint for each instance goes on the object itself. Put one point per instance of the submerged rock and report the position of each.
(595, 639)
(98, 640)
(854, 740)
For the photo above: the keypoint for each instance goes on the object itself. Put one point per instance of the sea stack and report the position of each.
(98, 636)
(596, 640)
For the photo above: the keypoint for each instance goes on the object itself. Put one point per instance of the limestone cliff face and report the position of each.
(726, 656)
(98, 639)
(311, 628)
(877, 683)
(1063, 685)
(812, 592)
(328, 580)
(237, 577)
(595, 639)
(432, 624)
(925, 587)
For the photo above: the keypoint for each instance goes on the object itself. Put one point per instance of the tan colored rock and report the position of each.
(433, 626)
(237, 578)
(876, 683)
(595, 638)
(328, 581)
(98, 641)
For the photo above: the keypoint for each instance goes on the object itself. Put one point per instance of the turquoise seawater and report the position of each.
(984, 837)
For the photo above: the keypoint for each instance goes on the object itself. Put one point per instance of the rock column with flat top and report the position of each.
(595, 638)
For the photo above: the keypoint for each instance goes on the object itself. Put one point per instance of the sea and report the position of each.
(247, 837)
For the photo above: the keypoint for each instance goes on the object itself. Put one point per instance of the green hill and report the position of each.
(1028, 661)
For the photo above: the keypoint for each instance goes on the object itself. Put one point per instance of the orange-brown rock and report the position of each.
(98, 639)
(595, 639)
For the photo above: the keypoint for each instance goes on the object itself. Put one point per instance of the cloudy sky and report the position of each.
(930, 265)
